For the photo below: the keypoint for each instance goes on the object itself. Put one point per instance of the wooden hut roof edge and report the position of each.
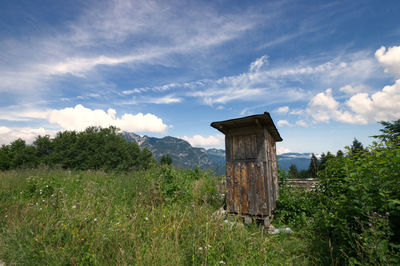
(265, 119)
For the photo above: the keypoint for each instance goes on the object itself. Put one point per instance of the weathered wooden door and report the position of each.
(248, 176)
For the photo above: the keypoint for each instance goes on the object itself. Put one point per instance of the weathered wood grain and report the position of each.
(251, 171)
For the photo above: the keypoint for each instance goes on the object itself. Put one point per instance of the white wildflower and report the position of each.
(95, 219)
(200, 248)
(73, 206)
(147, 218)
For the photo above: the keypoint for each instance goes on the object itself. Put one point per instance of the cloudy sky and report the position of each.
(326, 71)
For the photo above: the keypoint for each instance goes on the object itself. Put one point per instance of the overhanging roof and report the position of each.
(248, 121)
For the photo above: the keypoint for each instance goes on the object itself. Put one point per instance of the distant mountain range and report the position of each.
(185, 156)
(301, 160)
(182, 153)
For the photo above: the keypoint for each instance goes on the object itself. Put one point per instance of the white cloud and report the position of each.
(168, 99)
(322, 106)
(276, 83)
(281, 150)
(161, 88)
(117, 23)
(80, 117)
(12, 114)
(349, 89)
(349, 67)
(361, 108)
(282, 123)
(301, 123)
(390, 59)
(222, 96)
(77, 66)
(283, 110)
(9, 134)
(84, 43)
(217, 141)
(297, 112)
(382, 105)
(244, 111)
(259, 63)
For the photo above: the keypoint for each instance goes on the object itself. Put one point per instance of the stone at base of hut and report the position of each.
(286, 230)
(267, 222)
(248, 219)
(220, 213)
(271, 228)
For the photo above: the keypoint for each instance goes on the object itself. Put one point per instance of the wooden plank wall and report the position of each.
(251, 172)
(271, 160)
(247, 188)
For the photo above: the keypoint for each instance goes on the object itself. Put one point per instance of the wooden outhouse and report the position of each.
(251, 170)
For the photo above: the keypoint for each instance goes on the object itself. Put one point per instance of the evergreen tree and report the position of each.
(166, 160)
(146, 158)
(313, 168)
(293, 172)
(4, 157)
(390, 132)
(304, 174)
(43, 148)
(21, 155)
(322, 163)
(356, 147)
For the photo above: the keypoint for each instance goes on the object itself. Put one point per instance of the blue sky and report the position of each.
(326, 71)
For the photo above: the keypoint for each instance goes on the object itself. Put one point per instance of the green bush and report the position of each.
(357, 220)
(95, 148)
(295, 206)
(354, 215)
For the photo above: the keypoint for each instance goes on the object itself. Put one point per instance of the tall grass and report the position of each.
(160, 216)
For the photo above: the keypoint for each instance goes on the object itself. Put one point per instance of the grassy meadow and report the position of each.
(160, 216)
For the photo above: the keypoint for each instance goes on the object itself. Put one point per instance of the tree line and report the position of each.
(320, 164)
(95, 148)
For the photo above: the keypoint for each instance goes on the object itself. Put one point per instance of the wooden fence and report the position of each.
(308, 184)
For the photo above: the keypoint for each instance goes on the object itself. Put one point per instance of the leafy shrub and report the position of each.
(95, 148)
(358, 216)
(294, 206)
(205, 191)
(173, 186)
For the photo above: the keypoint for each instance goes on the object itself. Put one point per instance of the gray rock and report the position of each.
(286, 230)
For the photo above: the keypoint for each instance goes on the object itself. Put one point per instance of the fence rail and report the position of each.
(306, 184)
